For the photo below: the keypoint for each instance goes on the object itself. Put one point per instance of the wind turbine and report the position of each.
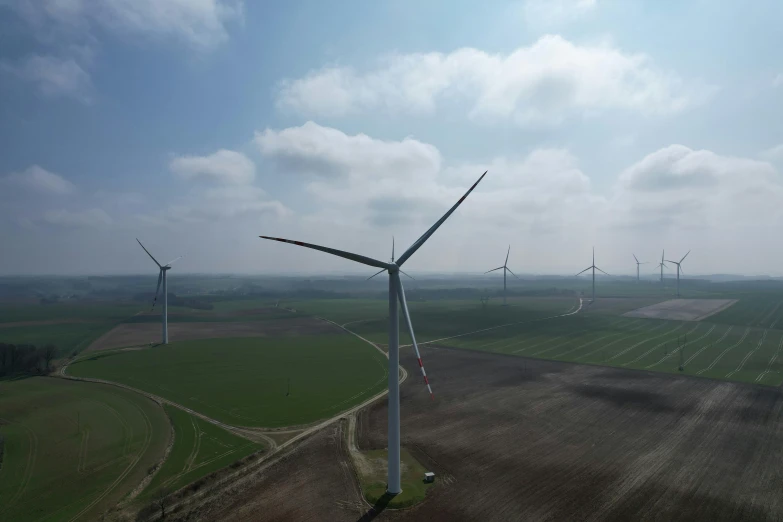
(637, 267)
(679, 269)
(662, 264)
(162, 278)
(396, 293)
(505, 269)
(594, 269)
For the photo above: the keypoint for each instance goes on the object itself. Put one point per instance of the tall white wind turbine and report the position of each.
(638, 263)
(162, 278)
(505, 269)
(594, 269)
(679, 269)
(396, 293)
(662, 265)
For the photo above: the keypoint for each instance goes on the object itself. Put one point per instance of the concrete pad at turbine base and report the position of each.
(682, 309)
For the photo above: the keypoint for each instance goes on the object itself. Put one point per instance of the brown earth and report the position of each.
(682, 309)
(521, 439)
(135, 334)
(316, 482)
(616, 305)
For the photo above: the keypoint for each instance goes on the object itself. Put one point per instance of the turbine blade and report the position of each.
(683, 257)
(583, 271)
(408, 275)
(672, 262)
(600, 270)
(392, 249)
(157, 290)
(173, 261)
(376, 273)
(498, 268)
(637, 260)
(148, 253)
(415, 246)
(507, 253)
(339, 253)
(407, 317)
(512, 273)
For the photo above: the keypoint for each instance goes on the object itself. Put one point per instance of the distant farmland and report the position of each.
(727, 345)
(245, 382)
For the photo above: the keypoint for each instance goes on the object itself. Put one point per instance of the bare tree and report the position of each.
(48, 352)
(161, 501)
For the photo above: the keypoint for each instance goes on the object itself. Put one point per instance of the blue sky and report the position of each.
(198, 125)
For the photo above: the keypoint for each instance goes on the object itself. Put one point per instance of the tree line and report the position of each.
(16, 359)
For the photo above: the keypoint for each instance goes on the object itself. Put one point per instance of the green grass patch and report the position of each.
(245, 381)
(372, 477)
(199, 448)
(67, 337)
(73, 447)
(98, 312)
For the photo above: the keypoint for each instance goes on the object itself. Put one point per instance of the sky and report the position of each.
(198, 125)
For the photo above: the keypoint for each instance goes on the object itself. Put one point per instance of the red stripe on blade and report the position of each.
(420, 364)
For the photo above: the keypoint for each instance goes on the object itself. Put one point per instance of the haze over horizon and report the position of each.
(198, 126)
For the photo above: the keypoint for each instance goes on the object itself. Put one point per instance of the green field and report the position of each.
(432, 319)
(199, 449)
(73, 449)
(245, 381)
(709, 349)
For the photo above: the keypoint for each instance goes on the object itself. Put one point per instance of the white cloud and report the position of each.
(774, 153)
(41, 180)
(328, 152)
(542, 84)
(224, 166)
(54, 77)
(220, 203)
(361, 181)
(778, 80)
(679, 188)
(73, 27)
(89, 218)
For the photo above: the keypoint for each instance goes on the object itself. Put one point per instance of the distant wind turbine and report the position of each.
(638, 278)
(396, 293)
(594, 269)
(505, 269)
(662, 265)
(679, 269)
(162, 278)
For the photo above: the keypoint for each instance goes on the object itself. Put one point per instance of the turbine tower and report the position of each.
(594, 269)
(505, 269)
(662, 264)
(679, 269)
(396, 293)
(162, 278)
(638, 278)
